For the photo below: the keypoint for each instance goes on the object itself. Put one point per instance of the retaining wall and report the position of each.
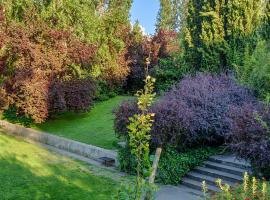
(72, 146)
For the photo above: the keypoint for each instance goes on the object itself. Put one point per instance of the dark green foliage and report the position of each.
(127, 160)
(12, 116)
(255, 71)
(168, 72)
(173, 165)
(265, 29)
(105, 92)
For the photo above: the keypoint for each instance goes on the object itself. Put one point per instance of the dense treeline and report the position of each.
(59, 56)
(54, 53)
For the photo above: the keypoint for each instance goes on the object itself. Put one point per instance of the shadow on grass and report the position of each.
(59, 181)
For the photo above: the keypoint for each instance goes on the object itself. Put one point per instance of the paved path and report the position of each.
(175, 193)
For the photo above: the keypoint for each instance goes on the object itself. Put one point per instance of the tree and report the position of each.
(104, 23)
(218, 32)
(266, 23)
(169, 15)
(43, 69)
(138, 139)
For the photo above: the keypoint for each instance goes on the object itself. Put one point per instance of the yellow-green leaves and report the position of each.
(139, 133)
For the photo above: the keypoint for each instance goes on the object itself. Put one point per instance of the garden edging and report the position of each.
(85, 150)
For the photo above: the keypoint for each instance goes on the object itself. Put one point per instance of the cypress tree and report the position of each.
(218, 32)
(169, 15)
(265, 31)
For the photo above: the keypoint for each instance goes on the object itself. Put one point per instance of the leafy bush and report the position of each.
(168, 72)
(13, 116)
(127, 162)
(256, 70)
(250, 137)
(74, 95)
(192, 112)
(43, 69)
(174, 165)
(105, 92)
(125, 110)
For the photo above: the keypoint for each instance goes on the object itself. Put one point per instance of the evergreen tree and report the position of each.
(169, 15)
(265, 32)
(218, 32)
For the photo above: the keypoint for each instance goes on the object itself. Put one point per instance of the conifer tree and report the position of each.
(218, 32)
(266, 22)
(168, 16)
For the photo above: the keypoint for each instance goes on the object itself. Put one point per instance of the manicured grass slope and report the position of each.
(30, 172)
(94, 127)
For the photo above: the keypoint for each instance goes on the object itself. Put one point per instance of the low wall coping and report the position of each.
(82, 149)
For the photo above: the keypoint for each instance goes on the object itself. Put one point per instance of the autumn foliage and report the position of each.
(140, 47)
(41, 69)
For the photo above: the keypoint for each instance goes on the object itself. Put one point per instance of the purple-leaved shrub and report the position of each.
(193, 113)
(249, 137)
(209, 110)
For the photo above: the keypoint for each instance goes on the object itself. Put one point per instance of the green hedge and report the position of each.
(173, 166)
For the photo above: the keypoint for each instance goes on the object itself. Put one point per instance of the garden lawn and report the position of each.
(94, 127)
(30, 172)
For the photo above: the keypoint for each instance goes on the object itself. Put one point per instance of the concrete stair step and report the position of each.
(230, 161)
(218, 174)
(224, 168)
(170, 192)
(208, 179)
(192, 191)
(197, 185)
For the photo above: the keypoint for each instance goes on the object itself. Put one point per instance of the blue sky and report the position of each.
(146, 12)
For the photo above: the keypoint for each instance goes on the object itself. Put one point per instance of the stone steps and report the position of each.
(208, 179)
(197, 185)
(224, 167)
(228, 161)
(218, 174)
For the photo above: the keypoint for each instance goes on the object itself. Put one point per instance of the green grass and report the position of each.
(30, 172)
(94, 127)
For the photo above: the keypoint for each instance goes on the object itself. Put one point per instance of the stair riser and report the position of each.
(239, 173)
(196, 187)
(218, 176)
(209, 182)
(230, 164)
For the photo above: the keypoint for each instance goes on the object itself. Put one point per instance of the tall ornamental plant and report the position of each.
(139, 138)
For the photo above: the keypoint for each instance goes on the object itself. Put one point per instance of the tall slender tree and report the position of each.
(218, 32)
(169, 15)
